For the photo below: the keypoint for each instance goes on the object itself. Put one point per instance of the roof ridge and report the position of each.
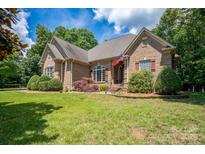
(123, 35)
(68, 43)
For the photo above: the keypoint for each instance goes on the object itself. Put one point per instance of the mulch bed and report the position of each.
(150, 96)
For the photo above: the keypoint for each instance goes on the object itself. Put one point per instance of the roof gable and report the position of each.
(54, 53)
(72, 51)
(145, 31)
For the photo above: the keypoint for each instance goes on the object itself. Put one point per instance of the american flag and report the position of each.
(117, 60)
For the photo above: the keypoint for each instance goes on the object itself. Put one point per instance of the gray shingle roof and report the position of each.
(73, 51)
(55, 51)
(110, 48)
(107, 49)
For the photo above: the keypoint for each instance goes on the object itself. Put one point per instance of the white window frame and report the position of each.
(144, 63)
(50, 72)
(101, 70)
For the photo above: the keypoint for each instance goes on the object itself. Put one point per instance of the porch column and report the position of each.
(112, 73)
(65, 71)
(61, 71)
(126, 69)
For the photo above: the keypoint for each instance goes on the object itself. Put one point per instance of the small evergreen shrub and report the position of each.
(55, 85)
(43, 86)
(34, 86)
(102, 87)
(168, 82)
(33, 79)
(141, 82)
(43, 78)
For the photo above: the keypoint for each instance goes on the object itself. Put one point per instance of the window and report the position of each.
(50, 71)
(99, 73)
(145, 65)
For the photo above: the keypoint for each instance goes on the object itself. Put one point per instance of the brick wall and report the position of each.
(153, 50)
(49, 62)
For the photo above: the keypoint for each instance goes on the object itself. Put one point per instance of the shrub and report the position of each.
(55, 84)
(102, 87)
(34, 86)
(85, 85)
(43, 86)
(43, 78)
(141, 82)
(33, 79)
(168, 82)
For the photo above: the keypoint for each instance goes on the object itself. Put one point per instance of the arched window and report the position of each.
(99, 73)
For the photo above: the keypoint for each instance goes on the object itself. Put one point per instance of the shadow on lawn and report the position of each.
(194, 98)
(23, 123)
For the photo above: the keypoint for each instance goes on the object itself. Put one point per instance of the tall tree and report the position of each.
(185, 28)
(43, 35)
(11, 70)
(80, 37)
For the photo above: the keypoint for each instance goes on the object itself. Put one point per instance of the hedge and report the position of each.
(43, 86)
(33, 79)
(168, 82)
(44, 83)
(55, 85)
(43, 78)
(141, 82)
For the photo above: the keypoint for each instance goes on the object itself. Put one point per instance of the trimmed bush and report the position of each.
(168, 82)
(43, 86)
(55, 84)
(102, 87)
(34, 86)
(33, 79)
(141, 82)
(44, 78)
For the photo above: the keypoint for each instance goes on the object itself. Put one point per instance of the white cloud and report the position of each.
(133, 30)
(132, 19)
(21, 28)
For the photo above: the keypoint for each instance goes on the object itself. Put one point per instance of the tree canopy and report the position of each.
(185, 28)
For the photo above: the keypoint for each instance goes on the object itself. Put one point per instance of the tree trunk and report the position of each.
(202, 89)
(193, 88)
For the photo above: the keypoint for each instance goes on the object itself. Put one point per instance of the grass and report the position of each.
(55, 118)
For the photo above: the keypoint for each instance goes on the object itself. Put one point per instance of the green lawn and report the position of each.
(56, 118)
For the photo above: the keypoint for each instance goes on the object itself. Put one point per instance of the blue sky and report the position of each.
(104, 23)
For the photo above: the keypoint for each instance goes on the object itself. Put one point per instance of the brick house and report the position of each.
(112, 61)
